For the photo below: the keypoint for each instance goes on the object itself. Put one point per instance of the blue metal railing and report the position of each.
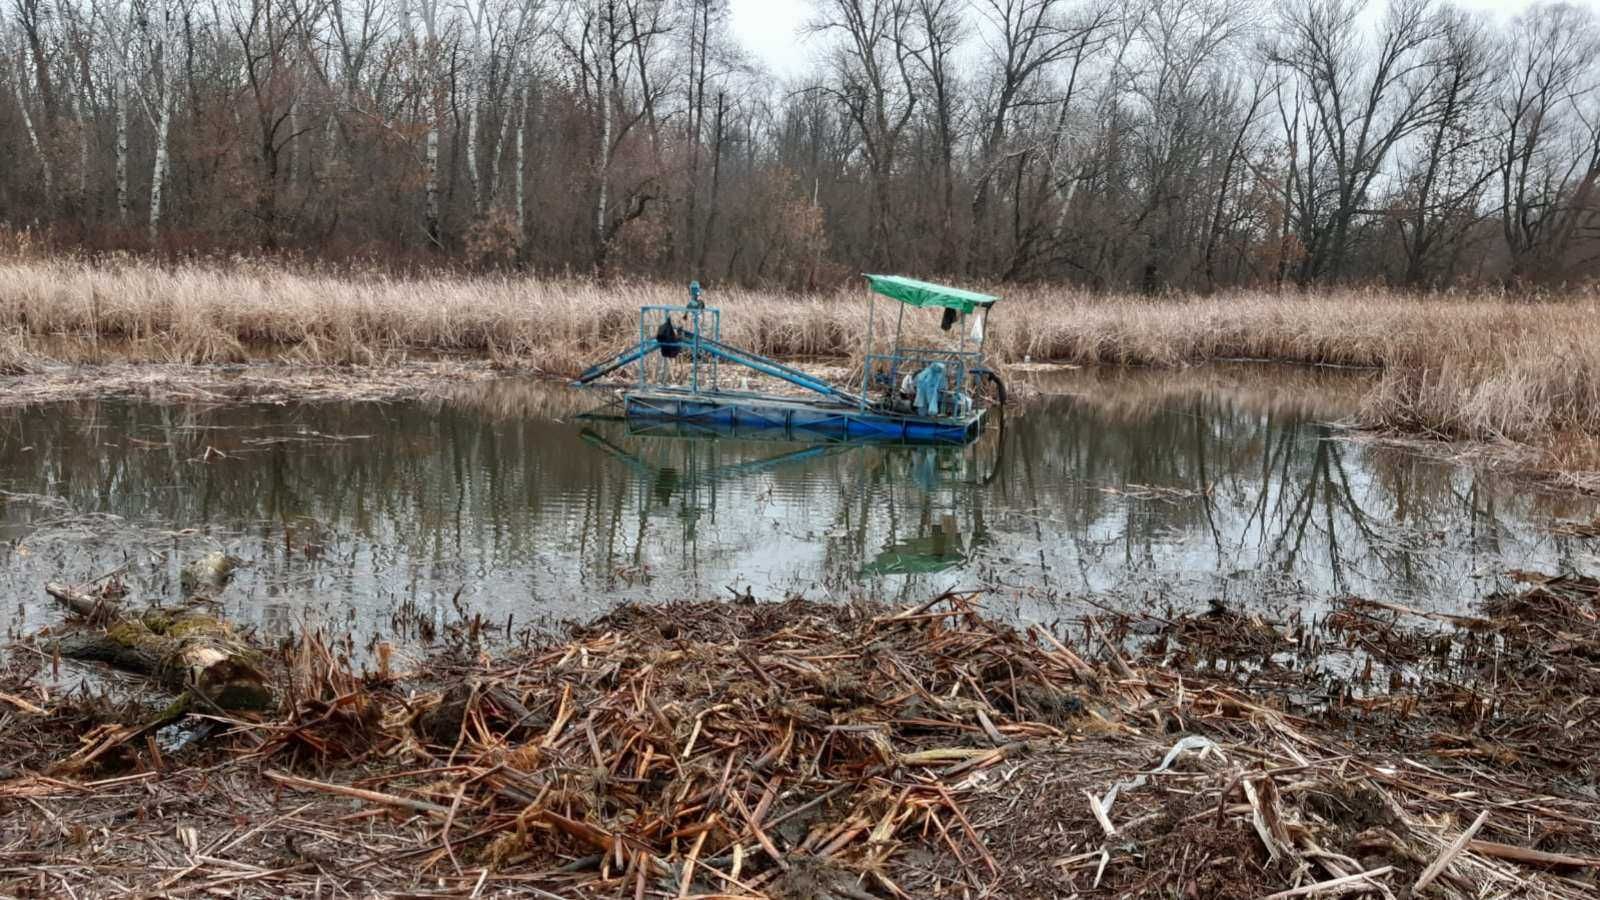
(694, 318)
(708, 350)
(889, 367)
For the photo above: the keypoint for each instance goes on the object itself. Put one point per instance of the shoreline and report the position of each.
(259, 381)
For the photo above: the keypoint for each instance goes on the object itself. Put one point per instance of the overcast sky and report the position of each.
(770, 29)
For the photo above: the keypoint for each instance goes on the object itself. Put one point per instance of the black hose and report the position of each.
(1000, 442)
(999, 386)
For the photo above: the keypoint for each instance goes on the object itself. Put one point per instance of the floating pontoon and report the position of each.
(906, 394)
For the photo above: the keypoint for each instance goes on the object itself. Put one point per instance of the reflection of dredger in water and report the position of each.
(940, 548)
(667, 480)
(932, 539)
(931, 468)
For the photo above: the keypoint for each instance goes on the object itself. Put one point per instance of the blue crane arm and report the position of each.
(772, 367)
(598, 370)
(720, 350)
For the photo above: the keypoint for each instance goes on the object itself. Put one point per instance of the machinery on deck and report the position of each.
(911, 394)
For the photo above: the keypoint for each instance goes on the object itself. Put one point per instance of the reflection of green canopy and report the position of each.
(918, 556)
(926, 294)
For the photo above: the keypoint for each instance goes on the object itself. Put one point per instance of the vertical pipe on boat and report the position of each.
(642, 359)
(866, 357)
(694, 362)
(894, 365)
(961, 362)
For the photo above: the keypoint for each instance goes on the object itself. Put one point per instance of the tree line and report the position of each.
(1146, 145)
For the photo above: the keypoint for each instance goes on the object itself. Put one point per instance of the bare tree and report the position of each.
(1025, 38)
(1362, 98)
(27, 13)
(873, 81)
(706, 67)
(1179, 84)
(1241, 123)
(601, 49)
(270, 34)
(1443, 180)
(152, 47)
(1550, 149)
(940, 30)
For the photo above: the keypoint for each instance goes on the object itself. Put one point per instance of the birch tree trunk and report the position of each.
(330, 135)
(293, 162)
(604, 166)
(81, 116)
(122, 149)
(606, 85)
(429, 11)
(430, 212)
(33, 137)
(158, 174)
(499, 152)
(472, 151)
(522, 206)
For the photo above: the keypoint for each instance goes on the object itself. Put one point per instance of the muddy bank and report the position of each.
(259, 382)
(819, 750)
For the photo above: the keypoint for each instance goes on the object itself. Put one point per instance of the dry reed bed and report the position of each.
(1480, 368)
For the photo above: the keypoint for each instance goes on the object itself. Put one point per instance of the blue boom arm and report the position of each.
(772, 367)
(600, 370)
(720, 350)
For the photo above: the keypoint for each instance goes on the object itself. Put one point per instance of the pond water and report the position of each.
(1132, 491)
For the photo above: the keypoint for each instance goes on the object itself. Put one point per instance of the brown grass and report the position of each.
(16, 357)
(1479, 367)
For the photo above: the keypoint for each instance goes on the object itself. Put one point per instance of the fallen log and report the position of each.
(180, 649)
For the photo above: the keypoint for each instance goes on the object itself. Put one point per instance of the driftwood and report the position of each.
(182, 650)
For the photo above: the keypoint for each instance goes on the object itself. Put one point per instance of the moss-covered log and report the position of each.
(184, 651)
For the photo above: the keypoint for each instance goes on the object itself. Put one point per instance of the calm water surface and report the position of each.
(1137, 492)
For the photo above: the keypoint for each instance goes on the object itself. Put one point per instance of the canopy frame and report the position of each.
(925, 295)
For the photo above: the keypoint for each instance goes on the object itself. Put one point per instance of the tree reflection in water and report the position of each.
(502, 496)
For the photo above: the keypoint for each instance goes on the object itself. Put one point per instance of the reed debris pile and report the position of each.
(800, 749)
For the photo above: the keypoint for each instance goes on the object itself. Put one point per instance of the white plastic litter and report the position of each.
(1195, 742)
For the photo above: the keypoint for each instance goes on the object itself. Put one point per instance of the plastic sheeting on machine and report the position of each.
(930, 385)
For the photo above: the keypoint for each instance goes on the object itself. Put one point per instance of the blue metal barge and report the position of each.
(913, 395)
(797, 419)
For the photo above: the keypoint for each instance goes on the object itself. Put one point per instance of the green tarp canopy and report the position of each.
(926, 294)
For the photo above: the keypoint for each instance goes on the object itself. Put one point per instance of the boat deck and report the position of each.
(799, 419)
